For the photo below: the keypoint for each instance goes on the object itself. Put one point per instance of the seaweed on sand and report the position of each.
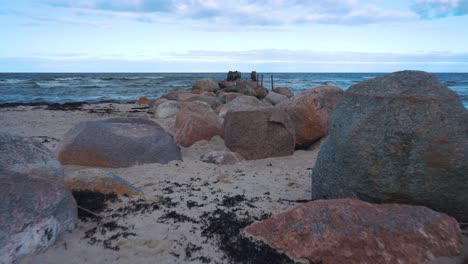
(93, 201)
(225, 227)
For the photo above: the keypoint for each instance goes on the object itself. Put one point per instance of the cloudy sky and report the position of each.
(216, 36)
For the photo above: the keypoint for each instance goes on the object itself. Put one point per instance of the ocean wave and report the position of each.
(13, 81)
(61, 79)
(91, 86)
(119, 78)
(47, 85)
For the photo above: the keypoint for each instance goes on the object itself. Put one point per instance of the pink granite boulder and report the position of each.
(310, 111)
(196, 122)
(192, 97)
(259, 132)
(352, 231)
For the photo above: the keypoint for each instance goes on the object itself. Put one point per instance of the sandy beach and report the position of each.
(188, 211)
(185, 229)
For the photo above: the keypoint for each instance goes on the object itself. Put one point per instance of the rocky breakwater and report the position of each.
(248, 88)
(35, 205)
(399, 138)
(118, 142)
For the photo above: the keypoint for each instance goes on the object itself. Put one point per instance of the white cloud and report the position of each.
(245, 12)
(306, 57)
(440, 8)
(260, 60)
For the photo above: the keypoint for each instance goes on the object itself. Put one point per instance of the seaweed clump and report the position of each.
(226, 227)
(95, 202)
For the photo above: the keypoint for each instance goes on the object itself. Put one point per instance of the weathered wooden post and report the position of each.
(256, 78)
(272, 86)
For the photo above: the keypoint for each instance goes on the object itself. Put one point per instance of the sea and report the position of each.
(27, 88)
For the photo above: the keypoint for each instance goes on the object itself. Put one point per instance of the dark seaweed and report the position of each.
(176, 217)
(226, 227)
(93, 201)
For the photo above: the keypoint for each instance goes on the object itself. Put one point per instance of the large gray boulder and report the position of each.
(399, 138)
(258, 133)
(35, 206)
(118, 142)
(26, 155)
(33, 212)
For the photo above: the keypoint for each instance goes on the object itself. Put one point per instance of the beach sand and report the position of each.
(188, 212)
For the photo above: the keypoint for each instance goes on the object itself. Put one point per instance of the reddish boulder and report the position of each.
(205, 85)
(258, 133)
(154, 104)
(310, 111)
(225, 84)
(192, 97)
(143, 101)
(117, 142)
(98, 180)
(248, 88)
(352, 231)
(226, 97)
(242, 102)
(284, 91)
(196, 122)
(222, 157)
(212, 94)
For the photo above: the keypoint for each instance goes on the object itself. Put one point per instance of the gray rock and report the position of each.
(258, 133)
(205, 85)
(284, 91)
(275, 98)
(398, 138)
(241, 102)
(34, 211)
(28, 156)
(118, 142)
(167, 109)
(222, 157)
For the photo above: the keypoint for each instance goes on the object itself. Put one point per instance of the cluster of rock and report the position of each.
(254, 122)
(35, 205)
(400, 138)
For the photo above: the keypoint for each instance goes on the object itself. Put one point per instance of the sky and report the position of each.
(245, 35)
